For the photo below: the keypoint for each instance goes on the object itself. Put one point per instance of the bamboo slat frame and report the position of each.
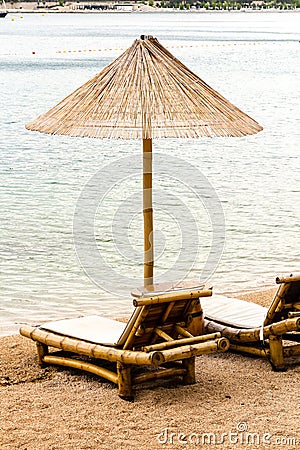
(271, 339)
(173, 296)
(159, 355)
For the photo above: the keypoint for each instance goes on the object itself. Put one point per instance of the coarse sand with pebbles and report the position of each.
(238, 402)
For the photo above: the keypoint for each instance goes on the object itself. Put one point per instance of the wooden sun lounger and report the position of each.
(273, 333)
(158, 334)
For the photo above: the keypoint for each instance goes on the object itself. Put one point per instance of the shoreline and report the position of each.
(260, 296)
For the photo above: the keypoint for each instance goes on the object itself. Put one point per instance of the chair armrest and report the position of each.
(171, 297)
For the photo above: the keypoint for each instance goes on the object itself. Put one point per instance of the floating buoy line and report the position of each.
(119, 49)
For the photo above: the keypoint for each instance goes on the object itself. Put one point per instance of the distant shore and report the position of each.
(114, 7)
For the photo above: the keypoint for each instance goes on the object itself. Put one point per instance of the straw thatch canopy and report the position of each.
(145, 93)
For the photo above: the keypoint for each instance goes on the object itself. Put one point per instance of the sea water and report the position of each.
(226, 211)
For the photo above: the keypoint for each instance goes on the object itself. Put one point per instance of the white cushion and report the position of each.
(95, 329)
(233, 312)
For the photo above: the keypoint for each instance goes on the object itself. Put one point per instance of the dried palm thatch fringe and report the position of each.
(145, 93)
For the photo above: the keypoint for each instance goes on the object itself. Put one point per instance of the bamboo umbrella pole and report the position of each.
(148, 212)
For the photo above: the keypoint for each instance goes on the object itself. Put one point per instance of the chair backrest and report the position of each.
(286, 299)
(159, 314)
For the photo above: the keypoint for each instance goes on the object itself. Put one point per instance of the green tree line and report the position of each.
(225, 5)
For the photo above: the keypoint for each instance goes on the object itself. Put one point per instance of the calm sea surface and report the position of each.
(232, 202)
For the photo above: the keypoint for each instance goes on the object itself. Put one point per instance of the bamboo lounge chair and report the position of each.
(251, 328)
(158, 334)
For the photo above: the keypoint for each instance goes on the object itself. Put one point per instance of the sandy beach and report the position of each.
(236, 400)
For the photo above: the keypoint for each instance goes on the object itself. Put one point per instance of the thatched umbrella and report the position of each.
(146, 93)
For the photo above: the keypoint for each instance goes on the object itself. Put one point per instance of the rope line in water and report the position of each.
(109, 49)
(166, 46)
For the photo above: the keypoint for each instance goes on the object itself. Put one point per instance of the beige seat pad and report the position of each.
(95, 329)
(233, 312)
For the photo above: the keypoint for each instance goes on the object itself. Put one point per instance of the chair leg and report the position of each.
(42, 350)
(190, 375)
(276, 353)
(196, 325)
(124, 381)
